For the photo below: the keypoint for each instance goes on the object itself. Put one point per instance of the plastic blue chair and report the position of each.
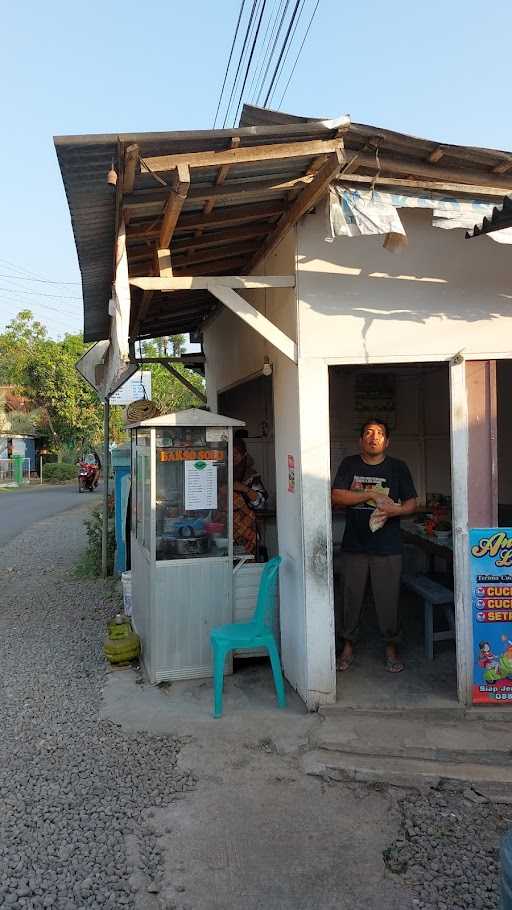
(243, 636)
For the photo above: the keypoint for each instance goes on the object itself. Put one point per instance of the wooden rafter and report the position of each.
(151, 203)
(142, 312)
(415, 168)
(184, 381)
(174, 204)
(187, 360)
(131, 158)
(246, 154)
(232, 263)
(164, 267)
(237, 214)
(254, 319)
(503, 168)
(307, 199)
(166, 285)
(438, 185)
(221, 238)
(213, 253)
(436, 155)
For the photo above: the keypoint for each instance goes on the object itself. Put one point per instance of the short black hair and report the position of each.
(379, 422)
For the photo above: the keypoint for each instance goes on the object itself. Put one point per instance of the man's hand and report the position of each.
(387, 507)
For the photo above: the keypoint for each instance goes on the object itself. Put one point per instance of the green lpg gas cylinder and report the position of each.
(121, 643)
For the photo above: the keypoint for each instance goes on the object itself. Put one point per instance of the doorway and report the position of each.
(414, 401)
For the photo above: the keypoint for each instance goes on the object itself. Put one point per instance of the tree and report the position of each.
(168, 393)
(43, 371)
(18, 345)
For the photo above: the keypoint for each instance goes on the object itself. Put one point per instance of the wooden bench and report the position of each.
(433, 595)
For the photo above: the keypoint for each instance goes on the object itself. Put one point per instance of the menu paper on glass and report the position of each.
(491, 595)
(200, 485)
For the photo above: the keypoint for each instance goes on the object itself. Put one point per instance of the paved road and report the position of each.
(21, 509)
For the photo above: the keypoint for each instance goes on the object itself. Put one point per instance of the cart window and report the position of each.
(142, 492)
(191, 493)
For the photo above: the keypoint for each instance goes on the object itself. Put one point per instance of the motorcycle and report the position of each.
(86, 477)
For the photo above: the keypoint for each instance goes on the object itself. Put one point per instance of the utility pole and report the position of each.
(104, 526)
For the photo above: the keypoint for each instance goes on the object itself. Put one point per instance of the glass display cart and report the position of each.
(181, 539)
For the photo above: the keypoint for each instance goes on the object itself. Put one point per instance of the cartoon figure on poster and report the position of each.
(491, 586)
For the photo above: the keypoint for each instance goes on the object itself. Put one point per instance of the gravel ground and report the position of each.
(75, 793)
(448, 849)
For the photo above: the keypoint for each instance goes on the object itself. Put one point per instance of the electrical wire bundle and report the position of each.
(266, 47)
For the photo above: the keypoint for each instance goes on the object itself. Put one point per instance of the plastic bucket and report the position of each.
(126, 581)
(506, 871)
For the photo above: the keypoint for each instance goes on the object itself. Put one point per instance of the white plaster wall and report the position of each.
(441, 295)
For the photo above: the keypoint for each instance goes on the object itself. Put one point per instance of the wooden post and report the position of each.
(104, 526)
(482, 438)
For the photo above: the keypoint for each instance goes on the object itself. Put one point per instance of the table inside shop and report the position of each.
(434, 549)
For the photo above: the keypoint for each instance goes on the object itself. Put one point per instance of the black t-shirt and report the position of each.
(392, 478)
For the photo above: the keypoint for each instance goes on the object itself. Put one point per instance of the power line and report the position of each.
(299, 52)
(288, 49)
(274, 46)
(229, 61)
(250, 60)
(16, 290)
(247, 32)
(282, 50)
(258, 66)
(40, 280)
(260, 78)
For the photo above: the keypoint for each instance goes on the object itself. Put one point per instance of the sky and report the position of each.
(438, 70)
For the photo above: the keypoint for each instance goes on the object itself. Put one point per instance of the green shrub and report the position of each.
(59, 473)
(90, 563)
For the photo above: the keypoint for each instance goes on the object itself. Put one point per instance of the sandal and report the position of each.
(344, 663)
(393, 665)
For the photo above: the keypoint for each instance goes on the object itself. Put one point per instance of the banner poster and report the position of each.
(491, 599)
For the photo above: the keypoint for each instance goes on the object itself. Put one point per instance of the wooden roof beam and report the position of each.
(307, 199)
(237, 214)
(165, 285)
(131, 159)
(184, 381)
(503, 168)
(141, 312)
(438, 185)
(210, 254)
(220, 238)
(181, 186)
(410, 168)
(246, 154)
(436, 155)
(256, 320)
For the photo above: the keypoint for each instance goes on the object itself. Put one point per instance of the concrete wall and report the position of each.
(443, 294)
(359, 304)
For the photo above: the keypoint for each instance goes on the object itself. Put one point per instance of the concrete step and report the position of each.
(488, 782)
(436, 737)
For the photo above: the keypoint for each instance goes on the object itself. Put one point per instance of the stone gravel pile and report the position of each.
(448, 850)
(75, 792)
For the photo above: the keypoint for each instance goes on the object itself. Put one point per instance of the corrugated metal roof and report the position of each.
(84, 162)
(500, 219)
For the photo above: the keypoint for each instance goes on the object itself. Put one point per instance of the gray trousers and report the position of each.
(384, 572)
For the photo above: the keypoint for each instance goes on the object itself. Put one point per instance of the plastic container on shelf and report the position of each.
(126, 581)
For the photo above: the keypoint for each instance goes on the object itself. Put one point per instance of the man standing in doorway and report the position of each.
(376, 491)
